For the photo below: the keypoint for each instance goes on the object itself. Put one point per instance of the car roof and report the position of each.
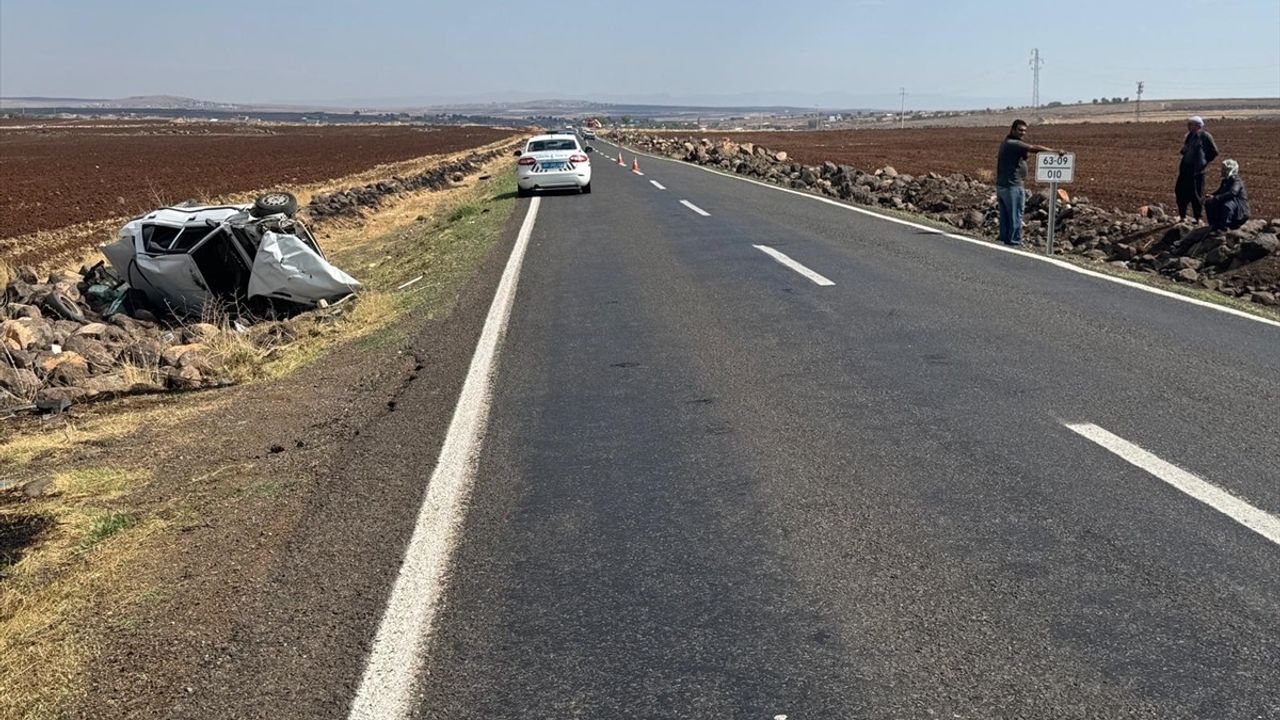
(552, 136)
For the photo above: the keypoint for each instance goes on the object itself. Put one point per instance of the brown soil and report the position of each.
(1120, 165)
(59, 175)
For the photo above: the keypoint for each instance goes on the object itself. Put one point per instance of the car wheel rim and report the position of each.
(275, 200)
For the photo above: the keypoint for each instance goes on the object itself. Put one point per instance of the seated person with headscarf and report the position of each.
(1228, 207)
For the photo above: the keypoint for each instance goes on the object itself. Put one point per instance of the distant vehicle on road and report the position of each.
(588, 134)
(556, 161)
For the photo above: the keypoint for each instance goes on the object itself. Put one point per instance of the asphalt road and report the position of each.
(713, 488)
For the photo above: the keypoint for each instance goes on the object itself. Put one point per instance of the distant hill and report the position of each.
(555, 109)
(137, 102)
(537, 108)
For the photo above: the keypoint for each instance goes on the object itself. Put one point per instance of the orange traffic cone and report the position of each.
(635, 166)
(621, 162)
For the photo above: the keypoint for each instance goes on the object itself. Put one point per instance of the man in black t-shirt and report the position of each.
(1011, 170)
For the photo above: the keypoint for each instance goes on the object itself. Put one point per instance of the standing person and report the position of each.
(1198, 150)
(1011, 170)
(1228, 208)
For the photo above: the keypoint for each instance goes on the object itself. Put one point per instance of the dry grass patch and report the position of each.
(66, 571)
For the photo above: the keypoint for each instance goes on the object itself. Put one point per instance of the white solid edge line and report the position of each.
(657, 184)
(695, 208)
(983, 244)
(388, 687)
(780, 257)
(1259, 521)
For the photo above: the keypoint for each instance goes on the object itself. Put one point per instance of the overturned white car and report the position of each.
(183, 257)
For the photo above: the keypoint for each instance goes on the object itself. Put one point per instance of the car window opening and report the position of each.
(542, 145)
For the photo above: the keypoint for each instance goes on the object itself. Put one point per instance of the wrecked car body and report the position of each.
(181, 258)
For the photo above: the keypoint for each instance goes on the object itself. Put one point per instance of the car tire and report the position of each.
(63, 306)
(585, 189)
(521, 192)
(274, 202)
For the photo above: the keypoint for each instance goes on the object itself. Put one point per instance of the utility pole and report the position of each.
(1036, 63)
(902, 111)
(1137, 107)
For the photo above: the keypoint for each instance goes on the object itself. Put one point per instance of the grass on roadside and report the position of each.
(61, 573)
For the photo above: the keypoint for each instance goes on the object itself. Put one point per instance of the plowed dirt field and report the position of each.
(66, 173)
(1124, 165)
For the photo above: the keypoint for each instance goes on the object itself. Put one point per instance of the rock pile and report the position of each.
(352, 201)
(62, 344)
(1243, 263)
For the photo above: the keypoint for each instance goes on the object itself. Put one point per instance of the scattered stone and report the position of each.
(173, 354)
(19, 382)
(110, 384)
(200, 332)
(17, 335)
(95, 329)
(57, 399)
(1258, 247)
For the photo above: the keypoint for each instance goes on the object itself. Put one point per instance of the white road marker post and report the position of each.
(1053, 169)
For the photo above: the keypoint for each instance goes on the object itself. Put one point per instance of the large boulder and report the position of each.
(64, 368)
(17, 335)
(173, 354)
(199, 332)
(110, 384)
(17, 311)
(100, 358)
(1220, 256)
(1258, 247)
(19, 382)
(187, 378)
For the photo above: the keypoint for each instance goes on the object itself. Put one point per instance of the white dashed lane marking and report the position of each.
(695, 208)
(1259, 521)
(788, 262)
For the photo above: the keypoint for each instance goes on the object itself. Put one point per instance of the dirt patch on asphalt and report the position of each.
(1120, 165)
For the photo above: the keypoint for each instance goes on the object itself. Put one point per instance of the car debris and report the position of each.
(181, 258)
(143, 325)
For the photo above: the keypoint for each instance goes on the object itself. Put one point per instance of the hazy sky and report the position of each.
(832, 53)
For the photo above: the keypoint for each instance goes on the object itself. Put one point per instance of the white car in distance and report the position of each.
(553, 162)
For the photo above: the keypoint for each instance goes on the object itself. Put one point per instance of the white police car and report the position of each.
(556, 161)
